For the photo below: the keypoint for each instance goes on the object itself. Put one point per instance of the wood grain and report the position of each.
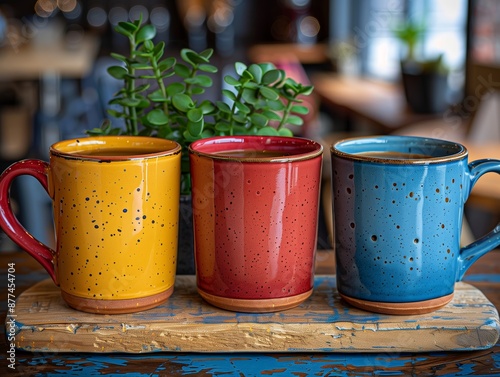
(185, 323)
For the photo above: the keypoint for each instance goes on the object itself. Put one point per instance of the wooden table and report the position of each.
(382, 105)
(486, 192)
(31, 62)
(484, 274)
(47, 64)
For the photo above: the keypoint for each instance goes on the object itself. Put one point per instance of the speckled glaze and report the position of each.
(398, 222)
(255, 221)
(115, 221)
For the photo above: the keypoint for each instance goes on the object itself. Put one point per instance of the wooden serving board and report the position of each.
(185, 323)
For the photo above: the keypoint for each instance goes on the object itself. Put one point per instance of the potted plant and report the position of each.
(424, 80)
(162, 97)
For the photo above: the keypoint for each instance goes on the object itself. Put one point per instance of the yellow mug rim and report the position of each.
(159, 147)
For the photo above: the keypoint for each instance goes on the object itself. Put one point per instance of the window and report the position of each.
(445, 33)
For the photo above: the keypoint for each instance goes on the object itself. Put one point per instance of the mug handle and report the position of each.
(471, 253)
(11, 225)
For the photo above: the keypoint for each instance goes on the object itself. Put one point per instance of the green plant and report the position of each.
(162, 96)
(410, 34)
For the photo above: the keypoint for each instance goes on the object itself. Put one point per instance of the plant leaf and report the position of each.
(182, 70)
(140, 91)
(129, 102)
(229, 94)
(231, 81)
(240, 68)
(146, 32)
(182, 102)
(118, 57)
(192, 57)
(141, 66)
(271, 115)
(157, 117)
(240, 118)
(195, 115)
(285, 132)
(271, 77)
(267, 131)
(276, 105)
(295, 120)
(148, 46)
(242, 107)
(224, 107)
(307, 90)
(269, 93)
(157, 96)
(250, 96)
(197, 90)
(188, 137)
(158, 50)
(256, 72)
(298, 109)
(166, 64)
(206, 133)
(175, 88)
(208, 68)
(207, 107)
(222, 127)
(207, 54)
(126, 28)
(201, 80)
(117, 72)
(115, 113)
(259, 120)
(266, 67)
(143, 103)
(195, 128)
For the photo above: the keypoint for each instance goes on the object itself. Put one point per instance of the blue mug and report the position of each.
(398, 204)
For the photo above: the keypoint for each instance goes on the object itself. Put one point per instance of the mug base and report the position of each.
(399, 308)
(255, 305)
(116, 306)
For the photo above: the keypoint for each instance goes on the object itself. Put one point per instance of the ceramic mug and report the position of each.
(398, 210)
(115, 206)
(255, 212)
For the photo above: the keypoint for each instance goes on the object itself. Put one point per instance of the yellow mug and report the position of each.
(116, 207)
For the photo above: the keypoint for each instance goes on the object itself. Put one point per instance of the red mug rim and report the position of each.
(294, 148)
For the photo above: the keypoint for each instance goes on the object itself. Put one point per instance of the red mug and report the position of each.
(255, 212)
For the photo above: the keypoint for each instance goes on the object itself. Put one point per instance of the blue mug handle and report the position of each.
(471, 253)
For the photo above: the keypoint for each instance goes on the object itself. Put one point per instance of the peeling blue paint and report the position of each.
(249, 365)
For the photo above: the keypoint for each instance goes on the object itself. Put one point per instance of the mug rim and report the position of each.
(460, 154)
(316, 149)
(171, 147)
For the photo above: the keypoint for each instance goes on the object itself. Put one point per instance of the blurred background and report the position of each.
(428, 67)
